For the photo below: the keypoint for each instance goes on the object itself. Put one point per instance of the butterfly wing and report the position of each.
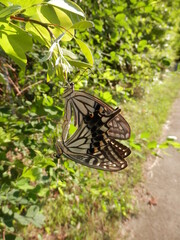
(107, 158)
(90, 145)
(83, 103)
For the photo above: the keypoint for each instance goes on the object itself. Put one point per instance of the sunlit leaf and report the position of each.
(47, 100)
(108, 75)
(79, 64)
(152, 145)
(83, 25)
(163, 145)
(72, 129)
(86, 51)
(69, 54)
(142, 45)
(23, 184)
(33, 173)
(145, 135)
(24, 4)
(67, 5)
(9, 10)
(15, 42)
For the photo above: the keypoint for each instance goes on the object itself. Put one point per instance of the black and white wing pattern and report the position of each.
(82, 104)
(91, 146)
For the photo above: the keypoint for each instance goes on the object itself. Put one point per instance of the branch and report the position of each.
(26, 88)
(21, 19)
(45, 25)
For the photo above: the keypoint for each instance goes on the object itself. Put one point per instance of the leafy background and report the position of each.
(119, 51)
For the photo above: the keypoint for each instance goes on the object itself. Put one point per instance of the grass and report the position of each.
(93, 204)
(149, 113)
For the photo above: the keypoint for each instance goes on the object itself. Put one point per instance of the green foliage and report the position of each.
(133, 43)
(48, 22)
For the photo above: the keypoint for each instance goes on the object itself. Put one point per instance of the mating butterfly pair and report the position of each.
(93, 144)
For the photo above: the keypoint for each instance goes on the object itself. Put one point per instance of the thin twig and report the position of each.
(4, 231)
(26, 88)
(6, 73)
(14, 85)
(45, 25)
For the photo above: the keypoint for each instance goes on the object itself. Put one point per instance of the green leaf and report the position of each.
(69, 54)
(108, 75)
(133, 1)
(120, 17)
(33, 216)
(148, 9)
(164, 145)
(152, 145)
(106, 96)
(135, 146)
(68, 5)
(19, 238)
(98, 24)
(51, 111)
(9, 10)
(23, 184)
(15, 42)
(25, 4)
(122, 21)
(86, 51)
(174, 144)
(42, 161)
(4, 137)
(2, 78)
(15, 197)
(83, 25)
(140, 4)
(141, 46)
(6, 210)
(79, 64)
(21, 219)
(43, 87)
(60, 19)
(145, 135)
(54, 16)
(72, 129)
(33, 173)
(43, 192)
(47, 100)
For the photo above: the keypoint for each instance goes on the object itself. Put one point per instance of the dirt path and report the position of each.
(159, 217)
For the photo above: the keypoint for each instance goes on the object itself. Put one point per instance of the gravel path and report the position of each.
(159, 216)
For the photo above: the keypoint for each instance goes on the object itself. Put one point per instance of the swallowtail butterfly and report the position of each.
(83, 104)
(91, 145)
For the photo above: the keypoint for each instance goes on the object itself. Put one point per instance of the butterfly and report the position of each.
(91, 146)
(82, 104)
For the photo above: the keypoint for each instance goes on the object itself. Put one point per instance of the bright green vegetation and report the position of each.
(95, 202)
(133, 44)
(152, 110)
